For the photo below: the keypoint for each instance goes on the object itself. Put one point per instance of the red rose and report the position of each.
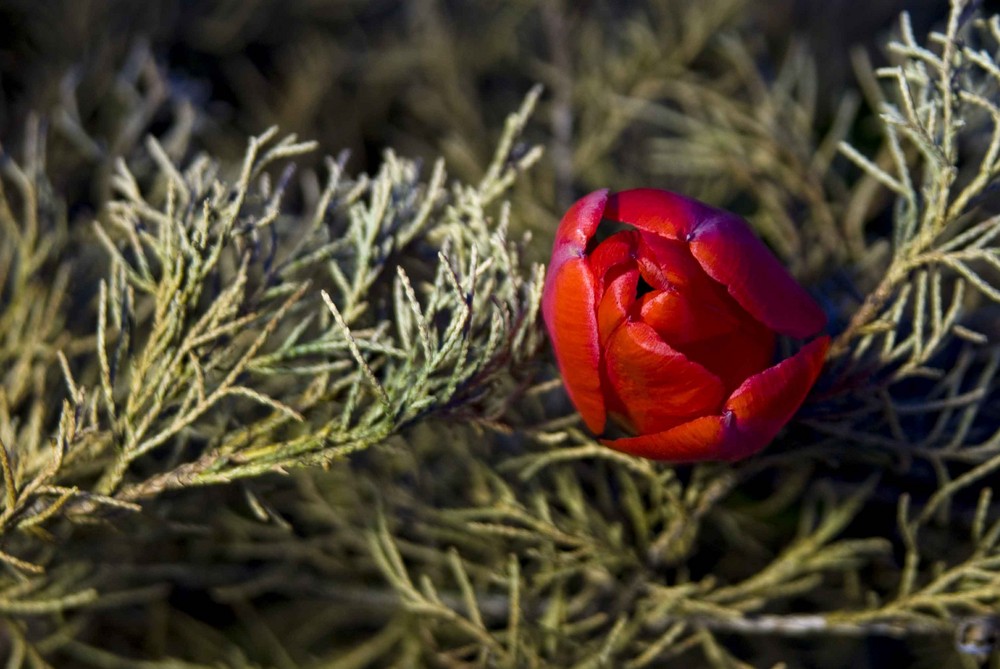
(669, 327)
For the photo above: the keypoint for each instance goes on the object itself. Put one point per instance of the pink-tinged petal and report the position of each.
(695, 441)
(657, 386)
(731, 254)
(728, 251)
(569, 310)
(577, 227)
(766, 401)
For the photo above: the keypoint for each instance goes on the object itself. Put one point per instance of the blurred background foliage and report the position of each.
(433, 78)
(485, 529)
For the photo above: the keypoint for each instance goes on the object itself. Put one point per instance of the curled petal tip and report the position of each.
(766, 401)
(578, 225)
(652, 210)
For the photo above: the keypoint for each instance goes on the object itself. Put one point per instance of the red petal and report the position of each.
(681, 320)
(731, 254)
(669, 264)
(615, 279)
(734, 356)
(657, 386)
(618, 298)
(618, 249)
(697, 440)
(658, 211)
(766, 401)
(752, 418)
(728, 251)
(690, 306)
(569, 310)
(577, 227)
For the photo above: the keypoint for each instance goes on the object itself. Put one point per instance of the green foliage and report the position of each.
(216, 358)
(254, 413)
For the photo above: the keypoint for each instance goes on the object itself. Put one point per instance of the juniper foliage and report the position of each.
(257, 412)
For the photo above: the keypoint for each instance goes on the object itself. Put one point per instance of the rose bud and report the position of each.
(669, 327)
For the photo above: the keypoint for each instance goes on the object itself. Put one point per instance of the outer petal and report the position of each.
(766, 401)
(750, 420)
(652, 210)
(577, 227)
(658, 387)
(569, 307)
(697, 440)
(729, 252)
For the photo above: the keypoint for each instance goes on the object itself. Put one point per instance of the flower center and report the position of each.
(658, 282)
(642, 288)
